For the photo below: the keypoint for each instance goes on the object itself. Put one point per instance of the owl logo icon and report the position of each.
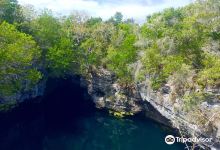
(169, 139)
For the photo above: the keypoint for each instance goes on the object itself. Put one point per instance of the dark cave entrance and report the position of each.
(60, 110)
(65, 118)
(65, 99)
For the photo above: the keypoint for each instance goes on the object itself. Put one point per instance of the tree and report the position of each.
(129, 21)
(19, 61)
(93, 21)
(116, 19)
(122, 52)
(46, 29)
(93, 48)
(210, 75)
(10, 11)
(60, 58)
(29, 14)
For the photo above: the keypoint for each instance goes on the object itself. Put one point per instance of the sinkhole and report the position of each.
(65, 118)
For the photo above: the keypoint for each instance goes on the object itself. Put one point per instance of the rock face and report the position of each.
(161, 105)
(204, 123)
(9, 101)
(107, 93)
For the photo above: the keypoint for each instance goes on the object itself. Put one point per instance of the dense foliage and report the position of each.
(183, 47)
(177, 37)
(19, 60)
(180, 44)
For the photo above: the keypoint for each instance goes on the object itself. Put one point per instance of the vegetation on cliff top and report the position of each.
(179, 44)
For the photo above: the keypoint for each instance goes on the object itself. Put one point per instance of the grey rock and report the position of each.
(157, 105)
(166, 89)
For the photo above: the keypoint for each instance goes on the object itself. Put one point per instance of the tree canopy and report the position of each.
(173, 41)
(19, 60)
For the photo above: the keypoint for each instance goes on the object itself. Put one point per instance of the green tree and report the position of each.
(46, 29)
(19, 61)
(116, 19)
(93, 21)
(60, 58)
(122, 53)
(210, 75)
(10, 11)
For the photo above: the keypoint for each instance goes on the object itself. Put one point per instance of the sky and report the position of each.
(137, 9)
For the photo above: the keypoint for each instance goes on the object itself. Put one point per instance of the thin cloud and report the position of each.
(137, 9)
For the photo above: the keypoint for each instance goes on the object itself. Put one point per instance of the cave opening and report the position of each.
(66, 100)
(59, 110)
(65, 118)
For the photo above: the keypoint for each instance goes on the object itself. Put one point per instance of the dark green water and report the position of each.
(66, 121)
(102, 132)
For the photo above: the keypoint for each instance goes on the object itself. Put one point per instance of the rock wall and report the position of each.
(204, 123)
(160, 105)
(8, 102)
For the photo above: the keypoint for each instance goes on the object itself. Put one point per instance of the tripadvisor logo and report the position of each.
(169, 139)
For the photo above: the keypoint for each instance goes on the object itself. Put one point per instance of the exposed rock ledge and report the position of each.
(7, 102)
(107, 93)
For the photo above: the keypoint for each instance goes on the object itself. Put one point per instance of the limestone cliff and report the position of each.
(8, 102)
(160, 105)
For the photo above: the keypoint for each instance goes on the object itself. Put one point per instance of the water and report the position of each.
(66, 120)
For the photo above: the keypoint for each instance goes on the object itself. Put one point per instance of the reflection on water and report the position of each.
(65, 120)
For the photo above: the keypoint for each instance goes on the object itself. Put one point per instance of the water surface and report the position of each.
(66, 120)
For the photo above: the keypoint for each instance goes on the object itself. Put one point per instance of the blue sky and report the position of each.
(137, 9)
